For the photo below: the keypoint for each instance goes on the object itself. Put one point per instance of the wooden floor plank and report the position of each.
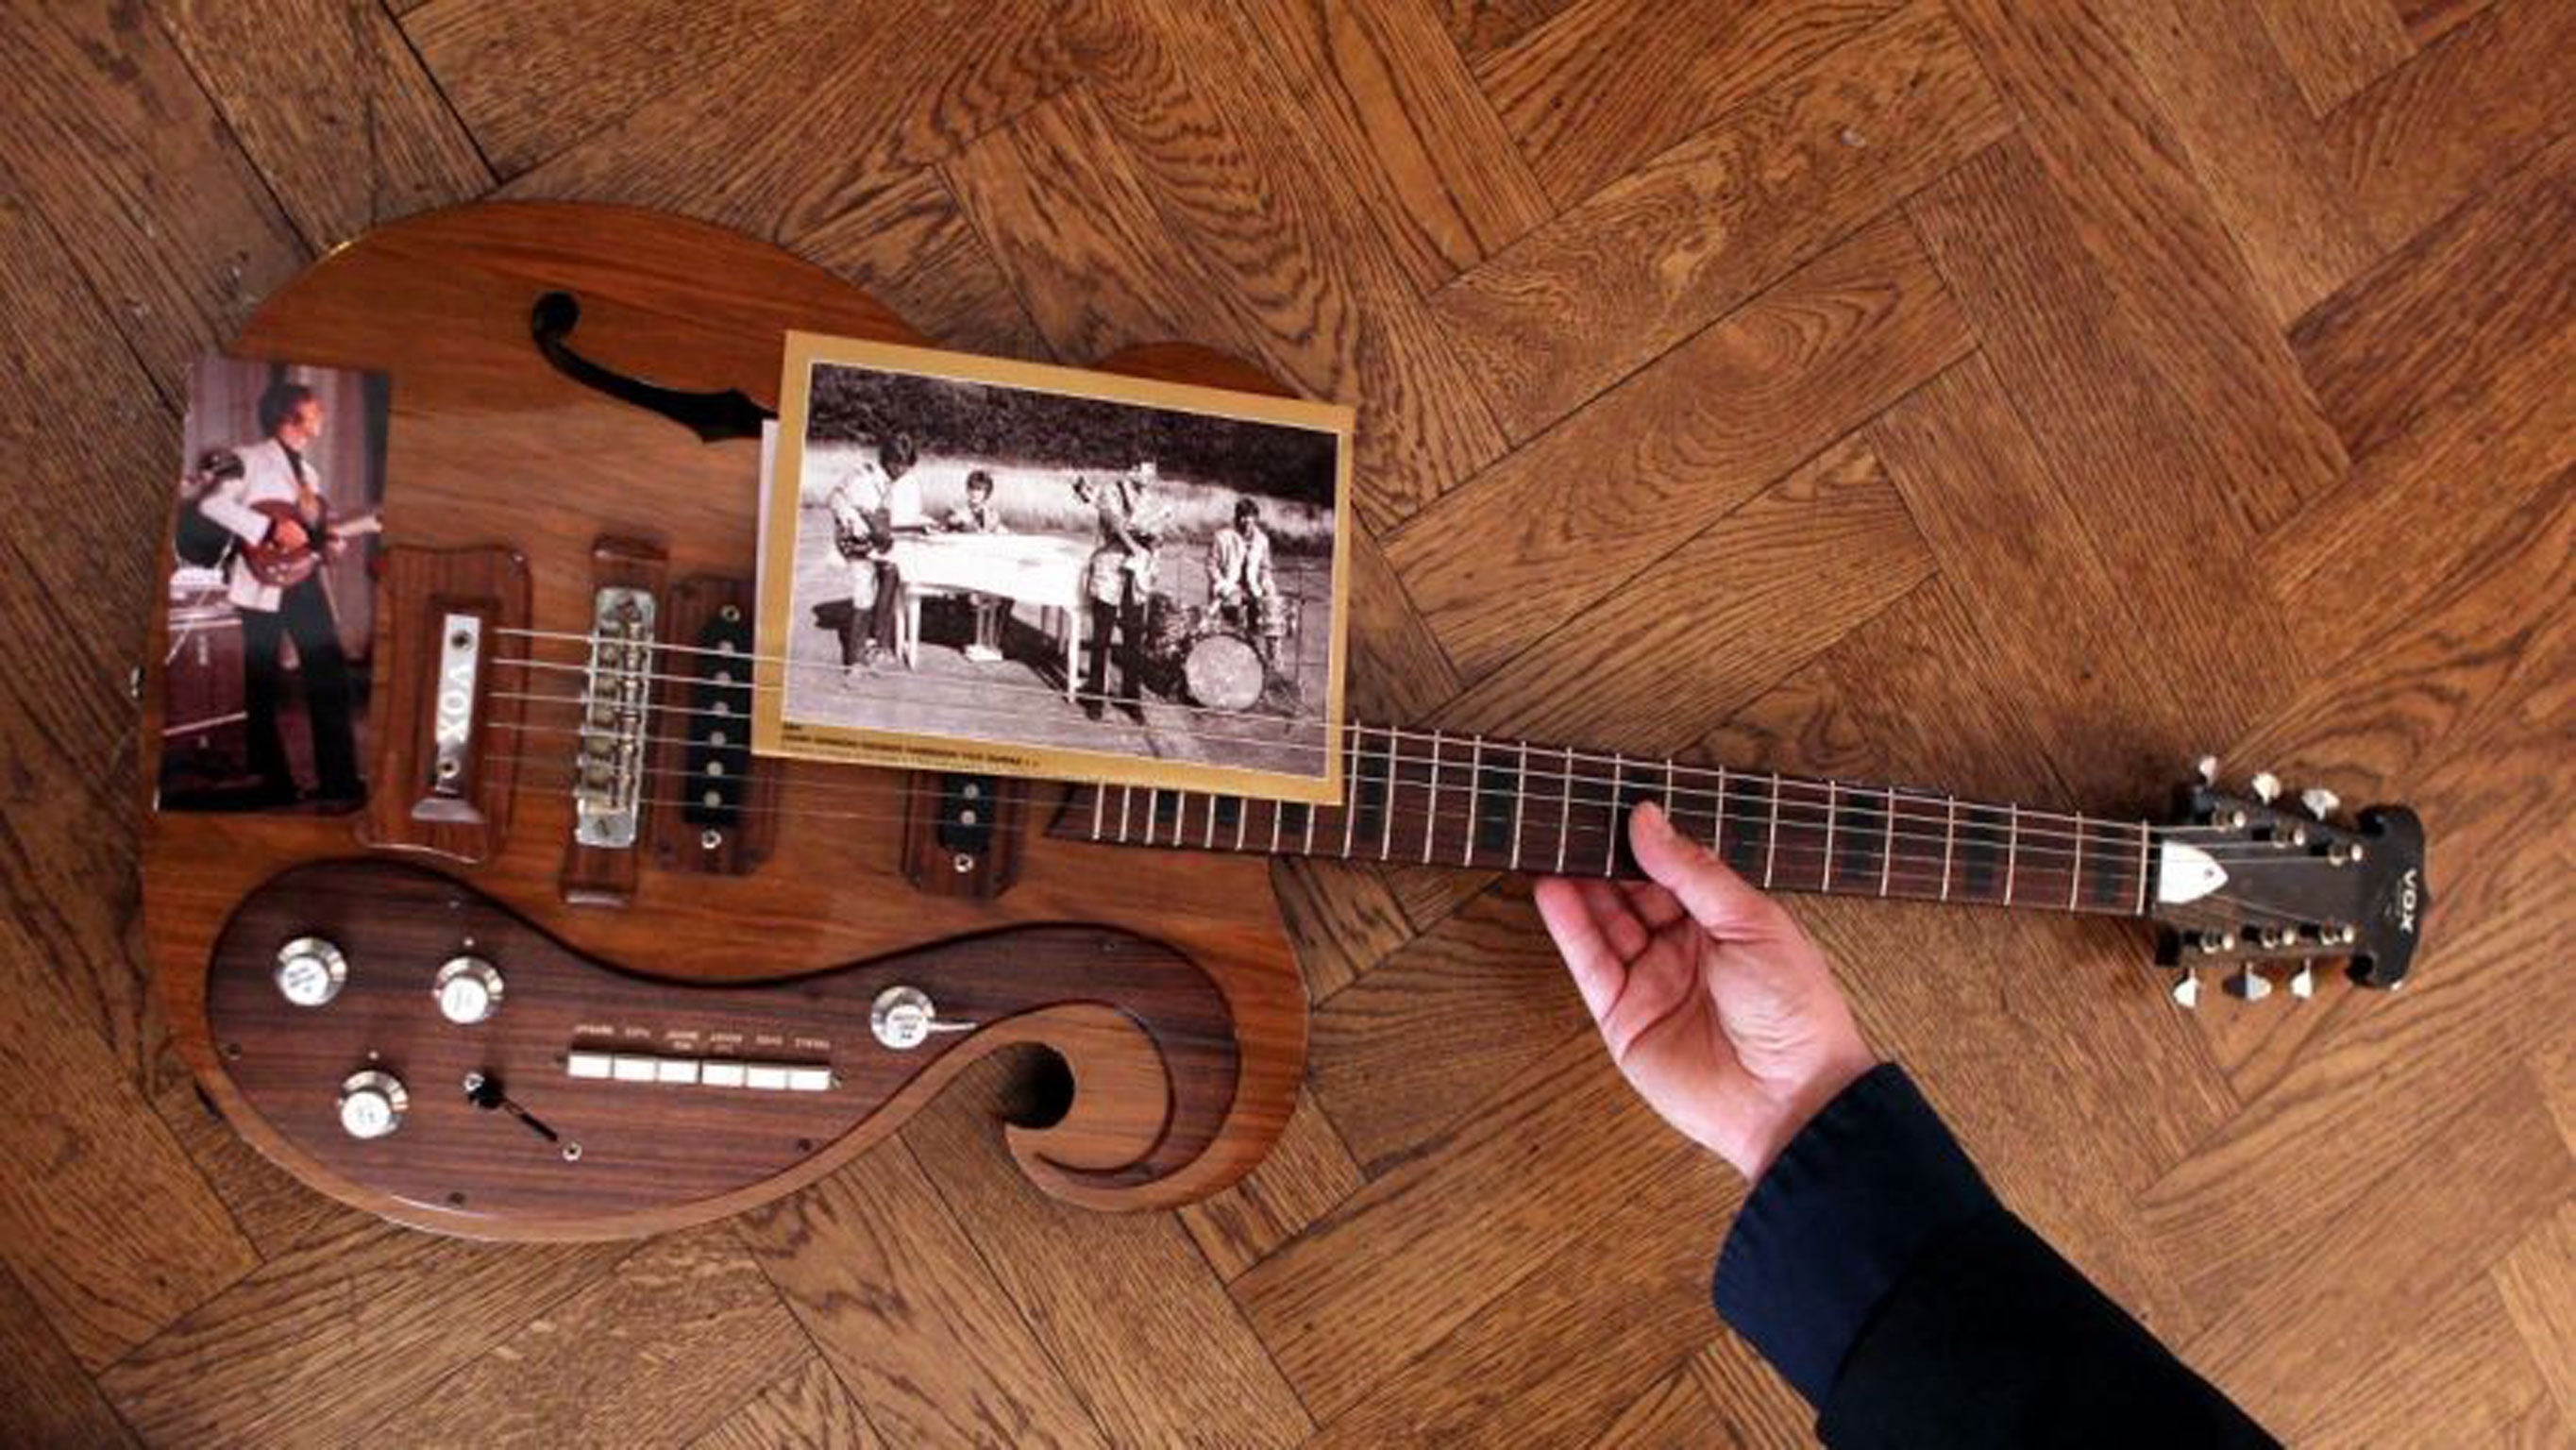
(2335, 47)
(1644, 263)
(1342, 918)
(328, 1338)
(654, 1352)
(46, 1396)
(2537, 1282)
(1393, 105)
(909, 1315)
(916, 250)
(1431, 1242)
(1078, 237)
(2171, 271)
(2062, 643)
(107, 134)
(1124, 1303)
(1305, 1176)
(1674, 1415)
(334, 108)
(736, 147)
(1405, 1053)
(1780, 578)
(1241, 191)
(1553, 529)
(2158, 476)
(1751, 1404)
(806, 1409)
(1604, 84)
(2470, 1195)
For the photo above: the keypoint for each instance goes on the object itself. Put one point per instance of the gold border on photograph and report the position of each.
(774, 734)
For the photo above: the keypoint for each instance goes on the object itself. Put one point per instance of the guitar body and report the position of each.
(273, 563)
(1164, 981)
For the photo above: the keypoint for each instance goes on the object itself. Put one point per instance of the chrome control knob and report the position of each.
(372, 1104)
(310, 971)
(469, 990)
(903, 1019)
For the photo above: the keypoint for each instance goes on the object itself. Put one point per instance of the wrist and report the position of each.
(1803, 1100)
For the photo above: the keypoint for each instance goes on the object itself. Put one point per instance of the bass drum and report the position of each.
(1223, 673)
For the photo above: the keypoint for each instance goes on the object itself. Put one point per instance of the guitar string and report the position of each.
(1591, 839)
(1439, 739)
(1690, 806)
(1869, 803)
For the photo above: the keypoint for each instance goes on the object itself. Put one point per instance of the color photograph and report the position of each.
(271, 589)
(978, 564)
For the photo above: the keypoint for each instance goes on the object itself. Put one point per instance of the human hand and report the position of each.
(1715, 1005)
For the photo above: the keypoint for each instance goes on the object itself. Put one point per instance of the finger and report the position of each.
(1599, 973)
(1724, 903)
(1626, 931)
(1653, 904)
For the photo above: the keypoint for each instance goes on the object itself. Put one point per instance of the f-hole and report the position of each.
(714, 417)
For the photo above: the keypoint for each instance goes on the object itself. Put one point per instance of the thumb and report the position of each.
(1724, 904)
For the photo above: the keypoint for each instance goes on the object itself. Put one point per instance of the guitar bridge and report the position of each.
(617, 696)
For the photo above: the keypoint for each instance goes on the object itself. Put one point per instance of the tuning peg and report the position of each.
(2303, 982)
(2321, 802)
(2207, 767)
(2249, 985)
(2266, 786)
(2186, 990)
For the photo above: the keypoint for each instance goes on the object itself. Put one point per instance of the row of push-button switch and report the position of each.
(696, 1072)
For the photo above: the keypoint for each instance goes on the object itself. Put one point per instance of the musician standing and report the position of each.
(275, 470)
(1118, 581)
(1239, 579)
(868, 505)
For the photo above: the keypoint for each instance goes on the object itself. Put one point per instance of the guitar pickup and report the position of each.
(719, 813)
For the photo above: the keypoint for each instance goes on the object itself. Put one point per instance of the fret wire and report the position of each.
(2143, 849)
(1431, 817)
(1242, 819)
(1717, 832)
(1475, 801)
(1565, 812)
(1949, 843)
(1278, 809)
(2075, 868)
(2012, 849)
(1153, 811)
(1099, 810)
(1520, 803)
(1771, 850)
(1307, 846)
(1386, 805)
(1211, 825)
(1126, 801)
(1887, 846)
(1668, 791)
(1351, 795)
(1610, 854)
(1832, 793)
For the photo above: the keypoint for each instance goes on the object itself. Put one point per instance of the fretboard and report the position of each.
(1430, 799)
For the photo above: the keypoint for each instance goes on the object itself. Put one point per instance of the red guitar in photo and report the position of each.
(284, 565)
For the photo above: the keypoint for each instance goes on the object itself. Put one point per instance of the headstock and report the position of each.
(2246, 881)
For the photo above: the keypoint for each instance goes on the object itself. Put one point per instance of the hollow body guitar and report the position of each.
(498, 1004)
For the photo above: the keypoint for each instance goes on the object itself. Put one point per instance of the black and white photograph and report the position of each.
(271, 592)
(1053, 572)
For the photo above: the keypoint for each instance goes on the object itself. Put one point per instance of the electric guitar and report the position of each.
(584, 967)
(272, 562)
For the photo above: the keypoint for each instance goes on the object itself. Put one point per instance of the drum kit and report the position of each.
(1214, 656)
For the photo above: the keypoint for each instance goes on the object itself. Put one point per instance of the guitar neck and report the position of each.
(1423, 798)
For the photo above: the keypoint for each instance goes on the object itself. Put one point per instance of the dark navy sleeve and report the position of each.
(1874, 1268)
(1852, 1204)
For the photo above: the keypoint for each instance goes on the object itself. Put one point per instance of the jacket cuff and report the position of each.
(1866, 1186)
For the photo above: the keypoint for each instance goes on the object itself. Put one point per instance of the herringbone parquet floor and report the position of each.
(2021, 395)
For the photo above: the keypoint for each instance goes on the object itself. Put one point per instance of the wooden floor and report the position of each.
(2019, 395)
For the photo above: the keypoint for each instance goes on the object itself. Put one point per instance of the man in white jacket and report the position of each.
(275, 470)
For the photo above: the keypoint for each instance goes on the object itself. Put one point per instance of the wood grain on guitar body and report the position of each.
(525, 994)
